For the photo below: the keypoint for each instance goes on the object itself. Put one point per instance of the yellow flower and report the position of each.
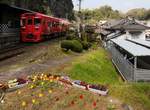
(45, 79)
(32, 86)
(19, 92)
(42, 83)
(45, 76)
(35, 77)
(41, 77)
(51, 80)
(50, 91)
(24, 103)
(33, 101)
(40, 95)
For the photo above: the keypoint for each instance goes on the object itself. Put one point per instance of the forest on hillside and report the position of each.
(58, 8)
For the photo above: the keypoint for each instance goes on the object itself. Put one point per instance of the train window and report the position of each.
(37, 21)
(49, 24)
(23, 22)
(29, 21)
(57, 23)
(53, 24)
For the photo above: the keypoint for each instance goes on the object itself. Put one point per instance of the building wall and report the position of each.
(135, 36)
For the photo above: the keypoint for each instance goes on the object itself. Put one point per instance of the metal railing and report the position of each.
(123, 65)
(126, 68)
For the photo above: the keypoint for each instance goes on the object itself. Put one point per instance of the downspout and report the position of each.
(135, 67)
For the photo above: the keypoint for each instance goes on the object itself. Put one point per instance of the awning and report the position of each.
(132, 48)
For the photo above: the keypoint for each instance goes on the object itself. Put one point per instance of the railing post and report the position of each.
(135, 67)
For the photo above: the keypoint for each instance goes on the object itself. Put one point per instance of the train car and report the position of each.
(36, 27)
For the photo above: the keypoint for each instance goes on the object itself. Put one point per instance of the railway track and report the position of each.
(20, 48)
(11, 51)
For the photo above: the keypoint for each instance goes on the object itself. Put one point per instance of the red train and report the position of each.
(35, 27)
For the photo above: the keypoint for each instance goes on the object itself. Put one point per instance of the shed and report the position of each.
(131, 59)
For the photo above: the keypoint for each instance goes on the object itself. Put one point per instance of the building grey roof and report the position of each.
(125, 24)
(111, 23)
(140, 42)
(104, 32)
(132, 48)
(115, 35)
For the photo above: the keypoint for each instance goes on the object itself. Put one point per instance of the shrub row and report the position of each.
(73, 45)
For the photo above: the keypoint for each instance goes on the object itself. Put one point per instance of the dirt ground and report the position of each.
(36, 58)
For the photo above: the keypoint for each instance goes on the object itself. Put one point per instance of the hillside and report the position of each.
(59, 8)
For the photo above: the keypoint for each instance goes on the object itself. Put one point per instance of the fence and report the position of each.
(126, 68)
(123, 65)
(142, 75)
(8, 36)
(4, 28)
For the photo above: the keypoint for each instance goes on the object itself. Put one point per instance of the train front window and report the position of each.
(37, 22)
(29, 21)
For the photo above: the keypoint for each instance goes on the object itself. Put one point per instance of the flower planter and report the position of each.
(98, 89)
(80, 84)
(16, 84)
(65, 80)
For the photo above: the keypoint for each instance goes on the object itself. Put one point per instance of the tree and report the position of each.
(104, 12)
(138, 13)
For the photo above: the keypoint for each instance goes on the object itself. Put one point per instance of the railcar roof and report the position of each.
(40, 14)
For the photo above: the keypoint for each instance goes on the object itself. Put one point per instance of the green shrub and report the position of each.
(86, 45)
(66, 45)
(77, 46)
(84, 36)
(73, 45)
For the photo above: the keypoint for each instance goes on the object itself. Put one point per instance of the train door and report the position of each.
(30, 26)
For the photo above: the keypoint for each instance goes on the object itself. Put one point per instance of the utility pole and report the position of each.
(79, 5)
(79, 14)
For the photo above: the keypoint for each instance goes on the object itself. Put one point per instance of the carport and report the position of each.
(131, 59)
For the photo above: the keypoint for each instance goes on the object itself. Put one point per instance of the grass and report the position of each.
(96, 67)
(134, 94)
